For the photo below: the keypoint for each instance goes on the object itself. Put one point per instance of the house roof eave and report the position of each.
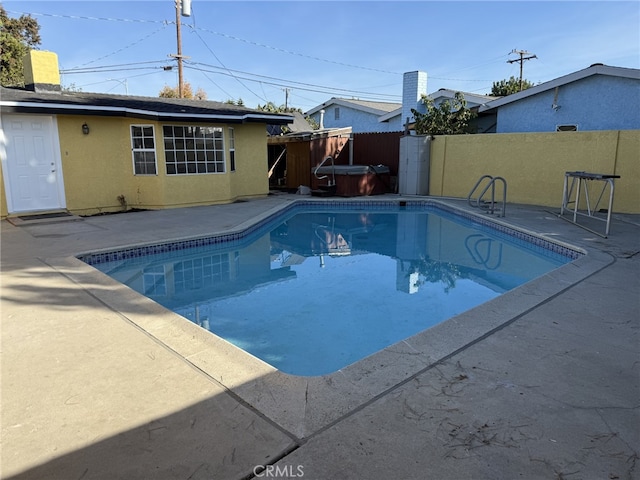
(596, 69)
(22, 101)
(350, 104)
(48, 108)
(310, 135)
(388, 116)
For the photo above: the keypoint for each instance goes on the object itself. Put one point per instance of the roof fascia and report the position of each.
(38, 107)
(388, 116)
(311, 135)
(345, 103)
(558, 82)
(469, 97)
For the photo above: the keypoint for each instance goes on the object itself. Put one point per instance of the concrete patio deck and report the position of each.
(101, 383)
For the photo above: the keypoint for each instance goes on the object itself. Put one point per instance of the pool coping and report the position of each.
(307, 405)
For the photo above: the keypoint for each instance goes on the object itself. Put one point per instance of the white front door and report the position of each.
(31, 163)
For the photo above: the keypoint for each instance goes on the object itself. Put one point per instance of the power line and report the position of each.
(105, 68)
(297, 85)
(225, 35)
(124, 48)
(82, 17)
(289, 52)
(111, 70)
(224, 66)
(249, 42)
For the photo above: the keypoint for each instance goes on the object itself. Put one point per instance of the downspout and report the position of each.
(321, 119)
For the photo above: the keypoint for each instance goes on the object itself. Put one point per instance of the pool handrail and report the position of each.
(492, 184)
(331, 182)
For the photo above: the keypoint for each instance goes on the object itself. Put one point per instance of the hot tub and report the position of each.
(354, 180)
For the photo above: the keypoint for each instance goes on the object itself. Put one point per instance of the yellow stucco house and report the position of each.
(89, 153)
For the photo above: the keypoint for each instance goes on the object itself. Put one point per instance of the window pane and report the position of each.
(232, 140)
(191, 149)
(143, 150)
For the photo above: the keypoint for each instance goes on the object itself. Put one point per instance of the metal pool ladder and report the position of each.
(489, 206)
(330, 187)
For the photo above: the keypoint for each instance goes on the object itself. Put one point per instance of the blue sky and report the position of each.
(254, 50)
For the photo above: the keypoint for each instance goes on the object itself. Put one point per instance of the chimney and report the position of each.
(41, 72)
(414, 85)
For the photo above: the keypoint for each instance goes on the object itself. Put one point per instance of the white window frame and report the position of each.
(232, 150)
(194, 149)
(137, 149)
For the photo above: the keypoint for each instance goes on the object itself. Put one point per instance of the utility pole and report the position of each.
(286, 98)
(185, 7)
(521, 60)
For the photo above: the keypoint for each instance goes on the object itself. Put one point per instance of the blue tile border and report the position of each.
(237, 238)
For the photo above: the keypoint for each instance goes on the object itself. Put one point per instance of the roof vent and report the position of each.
(597, 65)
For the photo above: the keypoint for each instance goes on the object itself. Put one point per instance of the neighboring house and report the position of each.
(367, 116)
(474, 102)
(90, 153)
(299, 124)
(597, 98)
(360, 115)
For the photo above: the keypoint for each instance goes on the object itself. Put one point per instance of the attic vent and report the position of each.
(566, 128)
(336, 112)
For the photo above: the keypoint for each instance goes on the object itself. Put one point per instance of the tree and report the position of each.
(507, 87)
(451, 117)
(272, 108)
(187, 92)
(17, 37)
(72, 87)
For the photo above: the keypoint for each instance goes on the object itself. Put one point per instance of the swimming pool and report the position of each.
(317, 288)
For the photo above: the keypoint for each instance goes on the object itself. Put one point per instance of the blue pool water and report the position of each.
(319, 289)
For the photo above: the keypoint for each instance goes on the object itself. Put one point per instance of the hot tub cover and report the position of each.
(351, 169)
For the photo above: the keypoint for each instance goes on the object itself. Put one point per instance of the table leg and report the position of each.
(565, 197)
(610, 182)
(575, 207)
